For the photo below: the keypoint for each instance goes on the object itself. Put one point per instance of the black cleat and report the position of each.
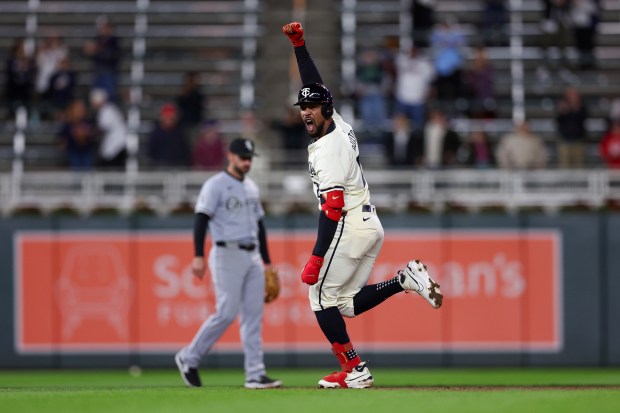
(188, 374)
(263, 382)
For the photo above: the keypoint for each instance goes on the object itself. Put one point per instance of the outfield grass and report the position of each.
(423, 390)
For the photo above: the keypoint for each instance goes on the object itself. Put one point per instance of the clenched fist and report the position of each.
(295, 33)
(310, 274)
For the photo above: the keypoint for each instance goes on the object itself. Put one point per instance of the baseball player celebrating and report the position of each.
(350, 234)
(229, 202)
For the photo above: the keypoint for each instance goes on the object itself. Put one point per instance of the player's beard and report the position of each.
(241, 171)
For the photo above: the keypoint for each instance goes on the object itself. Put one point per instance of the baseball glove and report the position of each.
(272, 285)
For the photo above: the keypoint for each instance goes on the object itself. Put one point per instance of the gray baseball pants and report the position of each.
(239, 280)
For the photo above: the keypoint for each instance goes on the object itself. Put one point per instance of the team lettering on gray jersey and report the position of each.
(236, 205)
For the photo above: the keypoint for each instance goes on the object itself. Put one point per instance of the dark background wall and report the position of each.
(590, 253)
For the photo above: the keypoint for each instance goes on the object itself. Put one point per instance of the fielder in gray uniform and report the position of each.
(229, 203)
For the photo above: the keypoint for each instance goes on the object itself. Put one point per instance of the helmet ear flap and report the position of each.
(327, 110)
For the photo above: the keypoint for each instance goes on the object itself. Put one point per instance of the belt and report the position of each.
(365, 208)
(368, 208)
(230, 244)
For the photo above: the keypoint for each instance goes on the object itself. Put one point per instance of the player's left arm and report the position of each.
(307, 69)
(262, 231)
(262, 240)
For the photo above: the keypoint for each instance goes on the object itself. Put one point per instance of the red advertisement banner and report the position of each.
(100, 291)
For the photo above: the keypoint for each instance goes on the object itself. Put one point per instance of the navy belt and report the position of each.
(246, 247)
(365, 208)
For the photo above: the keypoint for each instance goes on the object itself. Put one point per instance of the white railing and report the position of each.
(516, 64)
(137, 79)
(249, 46)
(284, 191)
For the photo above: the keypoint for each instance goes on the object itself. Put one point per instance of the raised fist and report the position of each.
(295, 33)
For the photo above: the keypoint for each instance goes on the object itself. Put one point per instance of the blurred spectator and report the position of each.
(571, 126)
(191, 103)
(292, 131)
(556, 27)
(404, 146)
(414, 75)
(389, 51)
(78, 137)
(447, 43)
(105, 53)
(20, 73)
(478, 152)
(585, 16)
(423, 19)
(441, 143)
(62, 86)
(51, 52)
(610, 145)
(370, 92)
(521, 149)
(112, 152)
(494, 19)
(167, 143)
(480, 81)
(210, 151)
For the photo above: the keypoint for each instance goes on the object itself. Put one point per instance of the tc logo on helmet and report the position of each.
(305, 92)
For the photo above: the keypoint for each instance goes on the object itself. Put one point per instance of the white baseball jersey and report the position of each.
(333, 162)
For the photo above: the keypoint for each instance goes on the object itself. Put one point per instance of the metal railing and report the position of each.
(286, 191)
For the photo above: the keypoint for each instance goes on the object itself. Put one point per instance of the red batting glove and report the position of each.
(310, 274)
(295, 33)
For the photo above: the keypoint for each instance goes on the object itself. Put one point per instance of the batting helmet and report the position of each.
(317, 93)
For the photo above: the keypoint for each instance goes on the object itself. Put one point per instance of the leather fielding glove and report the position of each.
(295, 33)
(310, 274)
(272, 285)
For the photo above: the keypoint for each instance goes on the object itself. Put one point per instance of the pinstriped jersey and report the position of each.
(333, 163)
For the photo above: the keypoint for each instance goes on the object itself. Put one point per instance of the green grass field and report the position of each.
(418, 390)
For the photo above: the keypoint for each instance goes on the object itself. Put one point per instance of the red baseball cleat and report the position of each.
(358, 378)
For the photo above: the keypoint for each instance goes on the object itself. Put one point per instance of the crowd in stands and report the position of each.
(415, 94)
(91, 129)
(404, 100)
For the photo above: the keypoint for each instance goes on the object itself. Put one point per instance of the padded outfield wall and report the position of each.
(520, 290)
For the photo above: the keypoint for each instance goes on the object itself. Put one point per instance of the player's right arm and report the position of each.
(201, 223)
(204, 211)
(307, 69)
(331, 183)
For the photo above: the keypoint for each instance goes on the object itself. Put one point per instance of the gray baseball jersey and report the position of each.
(234, 208)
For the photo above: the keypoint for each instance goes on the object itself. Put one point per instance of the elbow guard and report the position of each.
(332, 207)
